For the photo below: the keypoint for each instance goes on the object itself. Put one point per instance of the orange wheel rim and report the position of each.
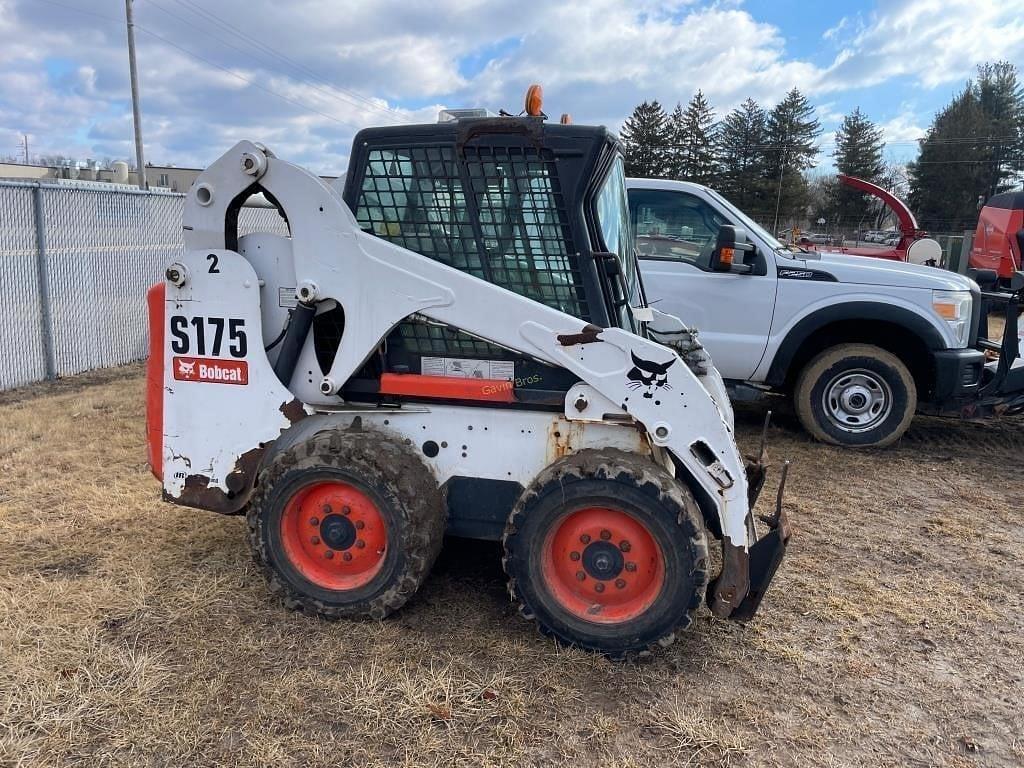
(334, 535)
(602, 565)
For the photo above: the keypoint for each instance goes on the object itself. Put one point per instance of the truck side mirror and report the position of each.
(730, 246)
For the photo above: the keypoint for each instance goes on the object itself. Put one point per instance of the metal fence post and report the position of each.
(42, 272)
(965, 251)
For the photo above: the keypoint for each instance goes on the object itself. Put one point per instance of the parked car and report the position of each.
(858, 344)
(815, 238)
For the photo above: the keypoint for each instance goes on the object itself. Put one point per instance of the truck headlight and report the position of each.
(955, 308)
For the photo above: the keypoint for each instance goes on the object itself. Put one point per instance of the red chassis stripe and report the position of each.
(447, 387)
(155, 381)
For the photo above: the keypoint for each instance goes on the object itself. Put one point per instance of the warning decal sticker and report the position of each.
(467, 368)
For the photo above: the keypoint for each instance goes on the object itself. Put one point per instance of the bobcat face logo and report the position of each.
(648, 375)
(188, 370)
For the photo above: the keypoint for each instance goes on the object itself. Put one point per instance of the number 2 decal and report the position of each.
(212, 258)
(208, 336)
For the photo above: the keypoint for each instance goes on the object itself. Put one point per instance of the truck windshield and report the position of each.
(616, 231)
(739, 217)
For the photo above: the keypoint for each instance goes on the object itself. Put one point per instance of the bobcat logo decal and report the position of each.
(187, 370)
(648, 375)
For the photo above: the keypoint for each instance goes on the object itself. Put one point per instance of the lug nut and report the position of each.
(328, 509)
(360, 544)
(631, 567)
(605, 535)
(329, 554)
(360, 524)
(574, 556)
(625, 546)
(315, 539)
(599, 587)
(346, 510)
(585, 538)
(580, 575)
(346, 556)
(314, 521)
(620, 583)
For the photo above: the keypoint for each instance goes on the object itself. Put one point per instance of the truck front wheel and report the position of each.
(855, 395)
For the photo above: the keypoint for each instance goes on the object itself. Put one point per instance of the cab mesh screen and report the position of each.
(498, 214)
(423, 338)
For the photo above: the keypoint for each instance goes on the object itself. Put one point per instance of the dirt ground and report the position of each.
(134, 632)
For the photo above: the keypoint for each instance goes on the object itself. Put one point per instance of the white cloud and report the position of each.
(904, 127)
(934, 42)
(63, 75)
(833, 32)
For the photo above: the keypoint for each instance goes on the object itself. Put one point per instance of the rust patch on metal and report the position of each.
(587, 336)
(733, 582)
(198, 493)
(559, 442)
(566, 437)
(293, 410)
(531, 129)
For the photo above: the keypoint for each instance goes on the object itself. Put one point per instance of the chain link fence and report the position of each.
(75, 263)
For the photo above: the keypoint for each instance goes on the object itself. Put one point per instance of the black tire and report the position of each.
(389, 474)
(827, 391)
(648, 495)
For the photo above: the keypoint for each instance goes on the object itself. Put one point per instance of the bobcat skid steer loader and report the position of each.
(464, 347)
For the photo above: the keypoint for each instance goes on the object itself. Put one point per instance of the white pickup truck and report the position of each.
(860, 344)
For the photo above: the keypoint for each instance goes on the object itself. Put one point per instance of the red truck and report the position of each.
(999, 239)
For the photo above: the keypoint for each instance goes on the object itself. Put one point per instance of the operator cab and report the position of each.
(537, 208)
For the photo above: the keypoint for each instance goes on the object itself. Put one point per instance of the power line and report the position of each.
(208, 62)
(80, 10)
(244, 79)
(230, 28)
(786, 147)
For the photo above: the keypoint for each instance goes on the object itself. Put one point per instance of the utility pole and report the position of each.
(136, 113)
(25, 136)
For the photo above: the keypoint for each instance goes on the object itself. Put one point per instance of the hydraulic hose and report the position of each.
(299, 323)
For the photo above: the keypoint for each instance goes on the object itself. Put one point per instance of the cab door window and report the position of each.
(675, 226)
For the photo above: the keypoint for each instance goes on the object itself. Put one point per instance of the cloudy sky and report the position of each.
(303, 76)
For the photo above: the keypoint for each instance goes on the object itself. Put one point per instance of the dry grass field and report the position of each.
(138, 633)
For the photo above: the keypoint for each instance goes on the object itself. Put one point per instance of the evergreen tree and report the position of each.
(791, 130)
(675, 153)
(972, 150)
(741, 140)
(694, 141)
(858, 152)
(645, 136)
(946, 178)
(1002, 100)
